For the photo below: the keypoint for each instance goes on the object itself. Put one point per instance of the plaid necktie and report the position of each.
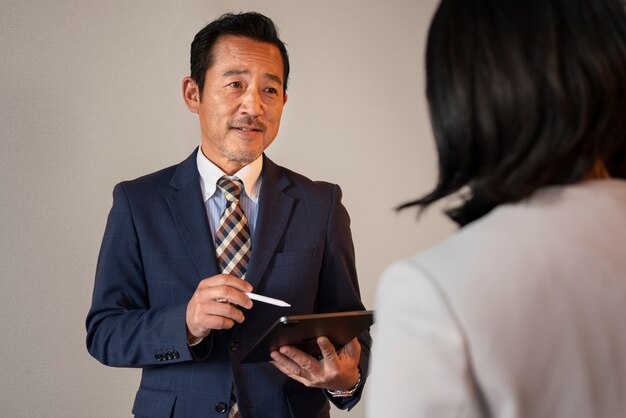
(233, 246)
(232, 238)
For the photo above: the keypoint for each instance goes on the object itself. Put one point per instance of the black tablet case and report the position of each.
(301, 331)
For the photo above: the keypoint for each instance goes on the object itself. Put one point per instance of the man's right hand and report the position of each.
(215, 305)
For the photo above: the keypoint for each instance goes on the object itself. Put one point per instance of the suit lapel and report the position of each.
(189, 213)
(274, 212)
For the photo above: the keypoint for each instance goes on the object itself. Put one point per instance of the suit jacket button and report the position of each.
(221, 407)
(176, 354)
(169, 355)
(158, 357)
(234, 344)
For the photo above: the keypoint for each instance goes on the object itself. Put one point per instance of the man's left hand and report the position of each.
(337, 370)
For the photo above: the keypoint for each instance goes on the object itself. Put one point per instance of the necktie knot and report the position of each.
(231, 188)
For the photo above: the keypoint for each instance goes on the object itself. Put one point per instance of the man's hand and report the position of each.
(215, 305)
(337, 370)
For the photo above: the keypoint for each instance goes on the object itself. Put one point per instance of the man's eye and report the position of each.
(271, 90)
(235, 84)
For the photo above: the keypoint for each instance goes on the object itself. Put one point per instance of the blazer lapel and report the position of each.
(189, 213)
(274, 212)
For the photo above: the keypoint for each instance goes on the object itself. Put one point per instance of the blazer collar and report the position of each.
(186, 172)
(275, 206)
(189, 212)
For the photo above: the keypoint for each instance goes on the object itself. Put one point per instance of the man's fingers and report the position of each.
(326, 347)
(216, 316)
(223, 294)
(228, 295)
(205, 316)
(215, 308)
(225, 310)
(302, 362)
(225, 288)
(307, 365)
(286, 364)
(226, 280)
(280, 365)
(337, 370)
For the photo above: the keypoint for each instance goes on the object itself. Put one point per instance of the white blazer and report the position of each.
(521, 314)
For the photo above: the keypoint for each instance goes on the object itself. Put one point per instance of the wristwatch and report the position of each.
(348, 392)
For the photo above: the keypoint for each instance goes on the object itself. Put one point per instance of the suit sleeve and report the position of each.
(420, 365)
(339, 287)
(122, 329)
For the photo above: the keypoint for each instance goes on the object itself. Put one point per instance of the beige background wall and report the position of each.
(90, 95)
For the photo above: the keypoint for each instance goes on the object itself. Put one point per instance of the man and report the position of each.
(169, 295)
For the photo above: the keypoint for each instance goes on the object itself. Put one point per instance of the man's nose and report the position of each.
(251, 102)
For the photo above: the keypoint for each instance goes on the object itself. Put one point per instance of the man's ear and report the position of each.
(191, 94)
(285, 98)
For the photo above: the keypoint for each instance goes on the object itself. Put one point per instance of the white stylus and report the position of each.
(267, 299)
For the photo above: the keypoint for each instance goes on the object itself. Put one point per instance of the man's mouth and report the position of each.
(247, 129)
(247, 124)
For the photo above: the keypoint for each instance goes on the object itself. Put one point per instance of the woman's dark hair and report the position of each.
(524, 94)
(251, 25)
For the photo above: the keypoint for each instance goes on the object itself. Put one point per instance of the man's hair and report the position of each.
(251, 25)
(524, 94)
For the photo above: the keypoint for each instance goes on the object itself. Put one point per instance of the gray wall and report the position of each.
(90, 95)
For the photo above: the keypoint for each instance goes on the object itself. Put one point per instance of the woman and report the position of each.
(522, 313)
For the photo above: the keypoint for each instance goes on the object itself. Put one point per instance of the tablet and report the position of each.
(301, 331)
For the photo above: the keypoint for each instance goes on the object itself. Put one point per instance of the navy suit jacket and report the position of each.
(157, 247)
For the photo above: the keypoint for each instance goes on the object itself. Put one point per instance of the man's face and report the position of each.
(241, 103)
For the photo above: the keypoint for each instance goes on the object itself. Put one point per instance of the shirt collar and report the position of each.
(210, 174)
